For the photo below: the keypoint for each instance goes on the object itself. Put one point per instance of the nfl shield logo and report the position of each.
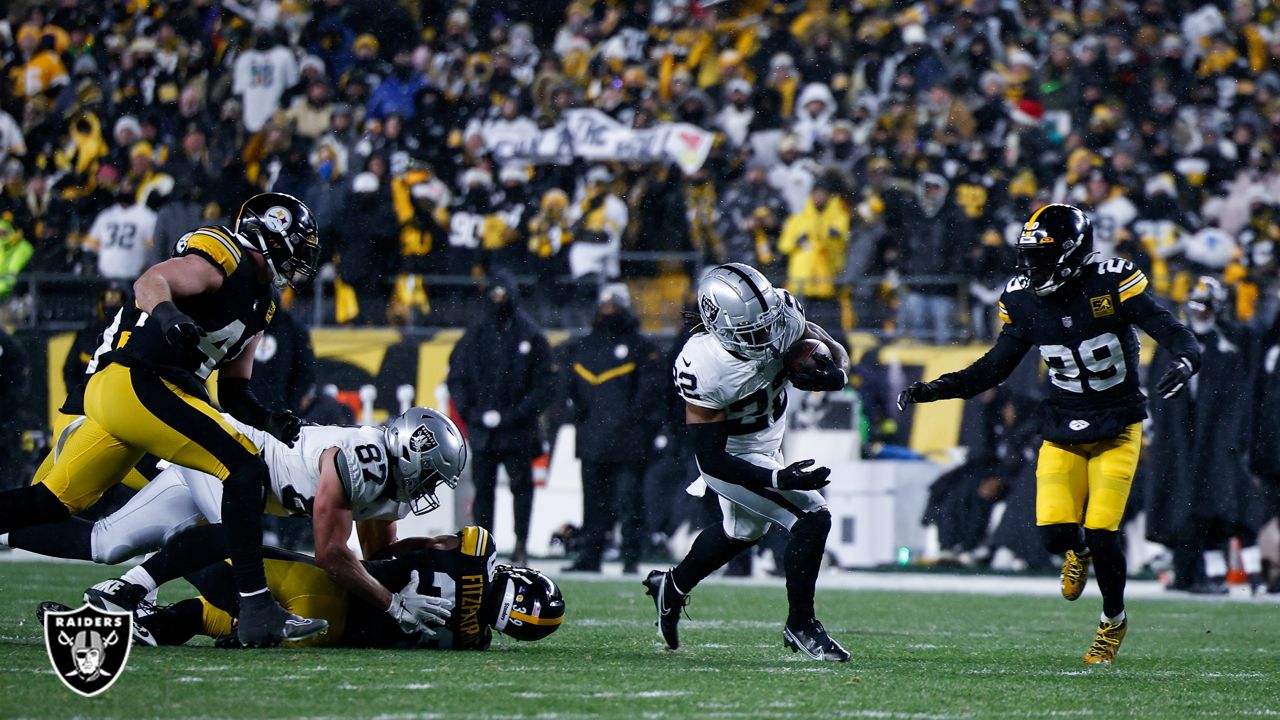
(1066, 322)
(88, 647)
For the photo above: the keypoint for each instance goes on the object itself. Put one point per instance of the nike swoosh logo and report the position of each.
(686, 362)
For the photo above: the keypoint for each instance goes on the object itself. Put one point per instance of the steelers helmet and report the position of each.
(425, 449)
(1208, 297)
(741, 309)
(1053, 247)
(282, 228)
(530, 606)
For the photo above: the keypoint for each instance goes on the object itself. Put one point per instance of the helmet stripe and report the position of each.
(750, 283)
(1036, 214)
(522, 617)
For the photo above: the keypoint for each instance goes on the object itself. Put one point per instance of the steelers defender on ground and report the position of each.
(458, 570)
(203, 309)
(1080, 310)
(733, 380)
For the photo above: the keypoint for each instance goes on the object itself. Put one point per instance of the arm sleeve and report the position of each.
(709, 440)
(236, 398)
(988, 371)
(1160, 324)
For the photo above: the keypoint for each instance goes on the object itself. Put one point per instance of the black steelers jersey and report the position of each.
(228, 317)
(1086, 335)
(463, 575)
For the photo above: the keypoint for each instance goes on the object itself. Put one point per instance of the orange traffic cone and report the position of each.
(1237, 578)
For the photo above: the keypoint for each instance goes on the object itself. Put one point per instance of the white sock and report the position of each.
(1251, 560)
(4, 539)
(139, 576)
(255, 592)
(1113, 621)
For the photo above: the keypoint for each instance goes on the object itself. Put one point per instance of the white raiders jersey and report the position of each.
(753, 394)
(295, 471)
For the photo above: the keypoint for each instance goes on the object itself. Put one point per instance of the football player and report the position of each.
(732, 378)
(458, 571)
(202, 309)
(1080, 310)
(334, 475)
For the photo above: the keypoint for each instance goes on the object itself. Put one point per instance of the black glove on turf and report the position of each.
(796, 477)
(1174, 379)
(917, 392)
(827, 376)
(285, 427)
(180, 331)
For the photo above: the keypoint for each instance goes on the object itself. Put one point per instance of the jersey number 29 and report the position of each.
(1097, 364)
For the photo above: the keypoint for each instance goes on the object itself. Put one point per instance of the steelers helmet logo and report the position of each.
(423, 440)
(277, 219)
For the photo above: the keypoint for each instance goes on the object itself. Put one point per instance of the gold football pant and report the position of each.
(132, 412)
(1087, 483)
(302, 589)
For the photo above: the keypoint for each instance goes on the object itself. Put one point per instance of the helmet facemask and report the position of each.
(1048, 266)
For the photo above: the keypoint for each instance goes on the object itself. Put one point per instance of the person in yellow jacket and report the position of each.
(40, 68)
(814, 241)
(15, 253)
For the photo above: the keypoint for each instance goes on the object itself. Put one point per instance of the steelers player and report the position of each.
(458, 572)
(205, 308)
(1080, 310)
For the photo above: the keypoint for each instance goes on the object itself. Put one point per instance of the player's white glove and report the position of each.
(416, 612)
(491, 418)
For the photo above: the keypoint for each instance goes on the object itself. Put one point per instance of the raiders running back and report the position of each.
(753, 393)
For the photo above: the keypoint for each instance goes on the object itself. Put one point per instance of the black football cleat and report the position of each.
(263, 623)
(49, 606)
(669, 604)
(812, 639)
(115, 595)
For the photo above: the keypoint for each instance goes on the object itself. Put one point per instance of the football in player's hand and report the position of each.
(802, 355)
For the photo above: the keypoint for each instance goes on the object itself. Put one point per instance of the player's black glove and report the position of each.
(917, 392)
(796, 477)
(827, 376)
(284, 426)
(180, 331)
(1175, 378)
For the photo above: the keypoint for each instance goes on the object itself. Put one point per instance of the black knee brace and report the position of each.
(1062, 537)
(813, 526)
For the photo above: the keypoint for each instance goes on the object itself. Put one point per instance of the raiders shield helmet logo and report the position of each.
(709, 309)
(88, 647)
(423, 440)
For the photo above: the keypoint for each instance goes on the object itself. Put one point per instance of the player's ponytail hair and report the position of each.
(692, 321)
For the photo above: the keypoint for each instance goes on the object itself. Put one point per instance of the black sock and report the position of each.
(176, 624)
(1110, 568)
(803, 559)
(242, 499)
(188, 551)
(1060, 538)
(29, 506)
(710, 551)
(71, 538)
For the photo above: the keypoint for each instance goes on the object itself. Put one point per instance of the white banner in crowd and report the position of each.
(592, 135)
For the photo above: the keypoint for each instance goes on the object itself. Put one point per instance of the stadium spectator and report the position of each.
(814, 242)
(366, 251)
(15, 253)
(500, 380)
(597, 219)
(261, 76)
(750, 218)
(121, 236)
(931, 241)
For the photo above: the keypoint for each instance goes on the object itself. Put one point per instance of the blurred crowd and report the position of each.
(872, 156)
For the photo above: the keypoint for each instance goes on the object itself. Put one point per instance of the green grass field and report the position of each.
(915, 656)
